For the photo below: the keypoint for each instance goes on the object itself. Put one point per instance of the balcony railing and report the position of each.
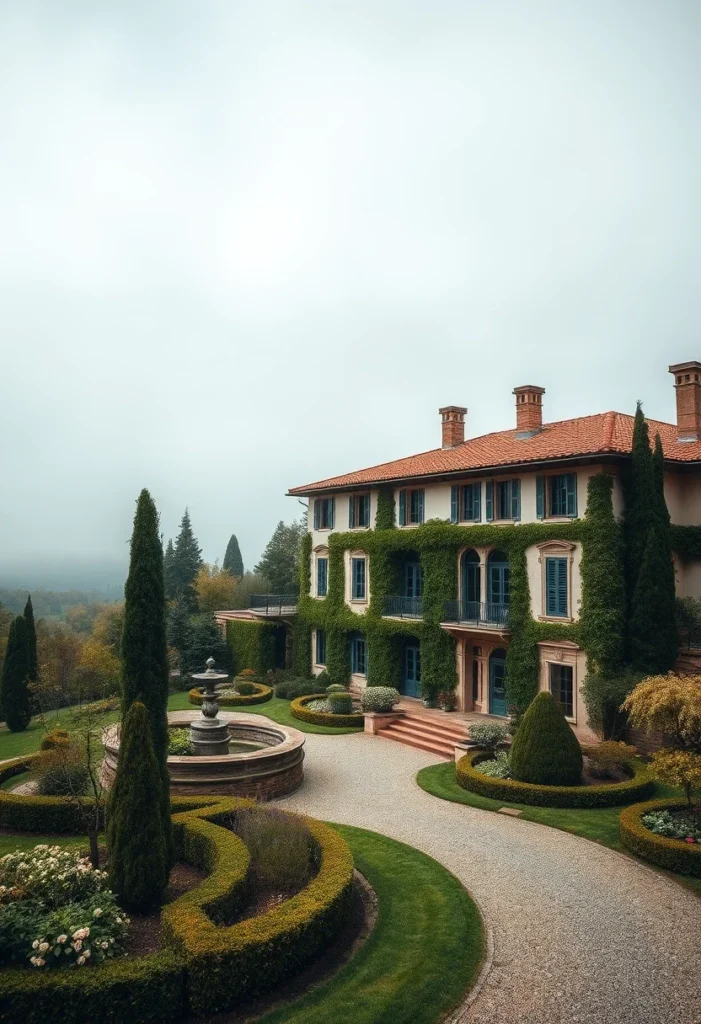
(477, 613)
(274, 604)
(404, 607)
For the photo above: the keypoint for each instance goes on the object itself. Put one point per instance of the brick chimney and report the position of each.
(452, 425)
(687, 384)
(529, 409)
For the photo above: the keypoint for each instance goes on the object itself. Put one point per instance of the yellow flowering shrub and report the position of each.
(678, 768)
(669, 704)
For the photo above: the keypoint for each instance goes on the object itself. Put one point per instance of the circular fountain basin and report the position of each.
(264, 760)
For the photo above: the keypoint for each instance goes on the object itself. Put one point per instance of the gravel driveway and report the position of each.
(580, 933)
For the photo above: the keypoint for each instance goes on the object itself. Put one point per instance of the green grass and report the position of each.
(14, 744)
(10, 843)
(275, 708)
(420, 959)
(599, 824)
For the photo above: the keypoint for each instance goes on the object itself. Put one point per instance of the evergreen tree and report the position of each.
(33, 674)
(280, 561)
(603, 612)
(658, 477)
(233, 562)
(136, 831)
(652, 624)
(179, 632)
(205, 640)
(544, 750)
(14, 695)
(640, 500)
(169, 583)
(186, 562)
(144, 650)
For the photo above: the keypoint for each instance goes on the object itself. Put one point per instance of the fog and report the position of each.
(246, 245)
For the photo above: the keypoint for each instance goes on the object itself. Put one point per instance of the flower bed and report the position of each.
(510, 791)
(673, 854)
(260, 695)
(299, 709)
(205, 967)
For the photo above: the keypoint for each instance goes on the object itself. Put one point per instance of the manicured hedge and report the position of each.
(17, 766)
(511, 791)
(299, 710)
(255, 644)
(260, 695)
(227, 964)
(673, 854)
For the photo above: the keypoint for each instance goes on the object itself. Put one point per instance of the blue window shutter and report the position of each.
(515, 499)
(477, 501)
(316, 513)
(351, 512)
(454, 495)
(540, 497)
(572, 494)
(550, 587)
(420, 502)
(562, 586)
(402, 508)
(332, 517)
(489, 486)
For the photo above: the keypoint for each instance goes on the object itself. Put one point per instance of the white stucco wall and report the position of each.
(321, 537)
(535, 565)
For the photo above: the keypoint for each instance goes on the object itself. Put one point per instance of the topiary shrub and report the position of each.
(247, 673)
(244, 688)
(323, 680)
(379, 698)
(544, 750)
(340, 703)
(55, 738)
(61, 771)
(293, 688)
(335, 688)
(609, 758)
(487, 734)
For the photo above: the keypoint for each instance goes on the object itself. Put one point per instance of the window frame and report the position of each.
(324, 513)
(549, 611)
(319, 640)
(567, 667)
(475, 490)
(356, 504)
(355, 563)
(319, 560)
(355, 660)
(494, 506)
(556, 549)
(405, 509)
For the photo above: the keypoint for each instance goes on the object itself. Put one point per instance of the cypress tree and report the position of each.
(186, 563)
(233, 561)
(544, 750)
(31, 640)
(136, 832)
(642, 502)
(169, 583)
(14, 695)
(144, 650)
(603, 612)
(652, 624)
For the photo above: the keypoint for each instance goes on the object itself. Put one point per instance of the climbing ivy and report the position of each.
(384, 517)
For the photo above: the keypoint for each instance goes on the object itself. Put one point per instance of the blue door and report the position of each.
(497, 682)
(411, 682)
(471, 586)
(498, 586)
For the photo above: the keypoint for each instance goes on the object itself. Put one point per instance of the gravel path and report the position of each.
(581, 933)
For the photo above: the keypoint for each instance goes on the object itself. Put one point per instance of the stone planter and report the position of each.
(373, 721)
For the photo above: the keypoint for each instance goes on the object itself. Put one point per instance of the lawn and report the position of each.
(599, 824)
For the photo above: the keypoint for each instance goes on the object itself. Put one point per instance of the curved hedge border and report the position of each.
(511, 791)
(260, 696)
(299, 710)
(672, 854)
(17, 766)
(204, 967)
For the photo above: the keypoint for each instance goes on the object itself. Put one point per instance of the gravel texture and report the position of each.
(580, 933)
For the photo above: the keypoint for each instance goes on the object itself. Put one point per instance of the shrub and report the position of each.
(55, 738)
(678, 768)
(379, 698)
(672, 854)
(674, 826)
(244, 688)
(139, 865)
(496, 769)
(608, 758)
(318, 705)
(323, 680)
(230, 697)
(487, 734)
(610, 794)
(50, 875)
(280, 847)
(249, 674)
(293, 688)
(545, 751)
(335, 688)
(671, 705)
(61, 771)
(179, 744)
(340, 703)
(603, 693)
(300, 708)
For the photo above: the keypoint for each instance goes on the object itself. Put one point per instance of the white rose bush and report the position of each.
(56, 911)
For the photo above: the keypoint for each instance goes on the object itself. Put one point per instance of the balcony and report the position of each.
(274, 606)
(403, 607)
(477, 613)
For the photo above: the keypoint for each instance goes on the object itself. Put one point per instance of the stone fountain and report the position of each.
(208, 734)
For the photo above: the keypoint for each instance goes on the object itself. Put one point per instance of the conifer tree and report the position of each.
(233, 562)
(33, 674)
(652, 624)
(144, 650)
(279, 563)
(544, 750)
(603, 612)
(168, 559)
(136, 831)
(186, 563)
(14, 695)
(640, 500)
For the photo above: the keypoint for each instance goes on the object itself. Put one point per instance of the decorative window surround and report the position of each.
(352, 577)
(555, 549)
(571, 655)
(320, 575)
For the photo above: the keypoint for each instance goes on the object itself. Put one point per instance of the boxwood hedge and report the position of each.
(510, 791)
(673, 854)
(260, 695)
(299, 709)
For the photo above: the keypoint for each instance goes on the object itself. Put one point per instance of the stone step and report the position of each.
(438, 728)
(416, 728)
(419, 742)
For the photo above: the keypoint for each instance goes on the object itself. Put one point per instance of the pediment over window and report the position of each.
(556, 547)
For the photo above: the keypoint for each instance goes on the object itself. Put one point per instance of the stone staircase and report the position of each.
(438, 736)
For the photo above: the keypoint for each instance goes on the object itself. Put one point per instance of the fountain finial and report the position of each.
(210, 664)
(208, 735)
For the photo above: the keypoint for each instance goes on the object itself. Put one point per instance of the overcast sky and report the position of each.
(245, 245)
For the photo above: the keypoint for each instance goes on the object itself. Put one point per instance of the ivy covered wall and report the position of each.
(438, 543)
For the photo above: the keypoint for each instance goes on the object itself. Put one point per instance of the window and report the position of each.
(324, 510)
(359, 656)
(561, 687)
(322, 576)
(556, 496)
(413, 579)
(358, 511)
(466, 503)
(358, 579)
(556, 603)
(503, 499)
(411, 507)
(320, 652)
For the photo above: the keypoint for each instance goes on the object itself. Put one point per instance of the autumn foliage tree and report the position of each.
(215, 588)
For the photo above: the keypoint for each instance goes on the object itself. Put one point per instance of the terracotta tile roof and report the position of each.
(604, 434)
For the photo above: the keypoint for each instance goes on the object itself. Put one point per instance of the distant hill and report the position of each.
(58, 585)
